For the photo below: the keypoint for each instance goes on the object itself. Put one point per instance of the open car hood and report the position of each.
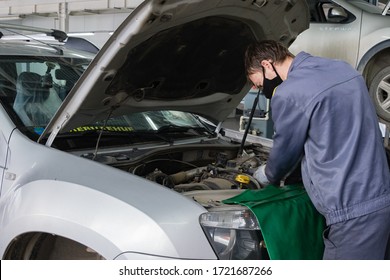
(185, 55)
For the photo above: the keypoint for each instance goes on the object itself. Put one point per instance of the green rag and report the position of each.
(291, 226)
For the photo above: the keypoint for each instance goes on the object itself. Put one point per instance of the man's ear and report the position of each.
(266, 64)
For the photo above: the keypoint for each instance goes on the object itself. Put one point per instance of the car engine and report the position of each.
(220, 174)
(208, 166)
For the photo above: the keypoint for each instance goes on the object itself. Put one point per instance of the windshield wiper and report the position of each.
(171, 128)
(209, 127)
(194, 130)
(140, 135)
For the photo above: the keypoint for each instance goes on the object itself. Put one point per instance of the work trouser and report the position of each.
(366, 237)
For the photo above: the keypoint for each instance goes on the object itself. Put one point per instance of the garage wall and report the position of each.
(93, 20)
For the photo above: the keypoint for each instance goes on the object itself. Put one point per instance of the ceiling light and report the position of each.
(10, 17)
(81, 34)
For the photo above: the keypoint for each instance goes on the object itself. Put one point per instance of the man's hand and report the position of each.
(260, 176)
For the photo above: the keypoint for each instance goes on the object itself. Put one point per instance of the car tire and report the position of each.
(380, 93)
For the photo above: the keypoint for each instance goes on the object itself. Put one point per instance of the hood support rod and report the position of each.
(248, 124)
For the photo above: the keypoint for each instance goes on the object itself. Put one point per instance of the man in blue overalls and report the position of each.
(323, 116)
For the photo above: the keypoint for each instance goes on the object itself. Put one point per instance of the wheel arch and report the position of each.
(46, 246)
(374, 60)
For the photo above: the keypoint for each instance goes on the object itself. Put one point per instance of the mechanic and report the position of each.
(323, 117)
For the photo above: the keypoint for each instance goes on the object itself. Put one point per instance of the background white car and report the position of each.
(358, 32)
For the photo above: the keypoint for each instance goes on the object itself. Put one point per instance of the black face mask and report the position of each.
(270, 85)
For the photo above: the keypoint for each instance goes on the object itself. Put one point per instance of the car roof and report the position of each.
(33, 48)
(26, 41)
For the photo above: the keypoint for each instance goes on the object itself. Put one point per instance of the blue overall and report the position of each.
(323, 114)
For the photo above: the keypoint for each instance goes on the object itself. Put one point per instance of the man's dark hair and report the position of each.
(264, 50)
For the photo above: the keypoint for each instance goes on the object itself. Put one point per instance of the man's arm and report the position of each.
(291, 126)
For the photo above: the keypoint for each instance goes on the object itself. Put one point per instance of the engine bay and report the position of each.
(185, 168)
(221, 173)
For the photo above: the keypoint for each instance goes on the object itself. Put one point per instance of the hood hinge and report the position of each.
(55, 131)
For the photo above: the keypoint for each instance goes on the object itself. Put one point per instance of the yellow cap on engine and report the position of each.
(243, 179)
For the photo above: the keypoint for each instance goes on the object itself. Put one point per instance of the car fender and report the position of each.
(97, 220)
(56, 192)
(369, 50)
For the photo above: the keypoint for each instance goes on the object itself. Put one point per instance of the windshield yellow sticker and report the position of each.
(107, 128)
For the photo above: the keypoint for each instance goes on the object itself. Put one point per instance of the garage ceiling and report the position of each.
(71, 7)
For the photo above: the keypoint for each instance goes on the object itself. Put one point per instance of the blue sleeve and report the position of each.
(291, 126)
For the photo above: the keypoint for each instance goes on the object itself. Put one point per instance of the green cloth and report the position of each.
(291, 226)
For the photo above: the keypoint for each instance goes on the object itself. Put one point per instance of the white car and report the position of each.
(125, 167)
(356, 31)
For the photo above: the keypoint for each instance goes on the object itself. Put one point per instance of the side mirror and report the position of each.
(337, 15)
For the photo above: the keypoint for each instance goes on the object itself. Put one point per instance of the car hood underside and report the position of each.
(178, 55)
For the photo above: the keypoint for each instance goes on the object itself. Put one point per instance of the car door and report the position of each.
(334, 31)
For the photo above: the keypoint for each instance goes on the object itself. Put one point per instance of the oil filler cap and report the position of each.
(243, 179)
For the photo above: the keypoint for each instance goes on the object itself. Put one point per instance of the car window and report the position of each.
(374, 7)
(33, 88)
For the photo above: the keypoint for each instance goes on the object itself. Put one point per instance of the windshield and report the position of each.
(153, 121)
(136, 128)
(33, 88)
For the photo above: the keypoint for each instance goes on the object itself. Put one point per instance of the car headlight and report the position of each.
(234, 234)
